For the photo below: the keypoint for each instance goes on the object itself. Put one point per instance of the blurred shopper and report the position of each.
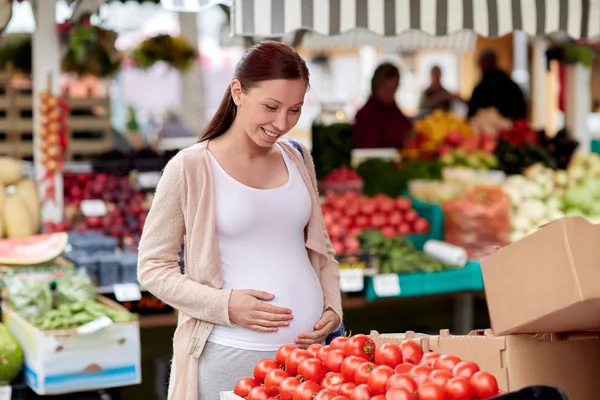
(436, 97)
(259, 268)
(380, 123)
(497, 89)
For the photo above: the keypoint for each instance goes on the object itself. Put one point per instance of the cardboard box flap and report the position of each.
(381, 338)
(545, 282)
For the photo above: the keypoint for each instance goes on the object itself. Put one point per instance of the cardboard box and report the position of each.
(66, 361)
(381, 338)
(569, 362)
(229, 396)
(547, 282)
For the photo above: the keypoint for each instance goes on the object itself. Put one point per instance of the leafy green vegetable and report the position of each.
(74, 288)
(331, 147)
(31, 298)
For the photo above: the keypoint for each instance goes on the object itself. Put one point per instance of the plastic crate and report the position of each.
(432, 213)
(535, 393)
(432, 283)
(92, 242)
(87, 261)
(109, 269)
(128, 264)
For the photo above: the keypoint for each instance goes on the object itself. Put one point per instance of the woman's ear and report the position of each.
(236, 92)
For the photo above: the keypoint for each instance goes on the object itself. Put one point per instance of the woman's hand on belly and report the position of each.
(247, 308)
(327, 324)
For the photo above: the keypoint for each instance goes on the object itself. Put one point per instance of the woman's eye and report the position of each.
(295, 111)
(271, 108)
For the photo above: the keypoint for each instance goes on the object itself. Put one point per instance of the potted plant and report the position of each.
(176, 51)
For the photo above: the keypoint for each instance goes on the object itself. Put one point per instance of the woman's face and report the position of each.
(270, 109)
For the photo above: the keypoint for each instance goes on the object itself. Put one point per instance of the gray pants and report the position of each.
(221, 367)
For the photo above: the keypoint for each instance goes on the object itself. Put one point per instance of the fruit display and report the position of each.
(11, 356)
(439, 129)
(353, 368)
(489, 121)
(477, 159)
(519, 133)
(348, 214)
(398, 255)
(331, 146)
(19, 201)
(53, 140)
(561, 147)
(32, 250)
(341, 179)
(126, 207)
(515, 159)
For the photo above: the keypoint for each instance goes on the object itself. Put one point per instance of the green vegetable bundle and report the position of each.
(74, 288)
(398, 255)
(30, 298)
(80, 313)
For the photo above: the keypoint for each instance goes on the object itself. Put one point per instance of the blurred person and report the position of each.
(380, 123)
(436, 97)
(497, 89)
(259, 271)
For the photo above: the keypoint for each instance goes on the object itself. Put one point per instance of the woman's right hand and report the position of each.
(248, 308)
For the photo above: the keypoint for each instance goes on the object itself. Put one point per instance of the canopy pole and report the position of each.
(539, 84)
(45, 63)
(578, 104)
(192, 86)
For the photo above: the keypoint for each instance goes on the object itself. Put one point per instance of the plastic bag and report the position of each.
(30, 298)
(73, 288)
(478, 220)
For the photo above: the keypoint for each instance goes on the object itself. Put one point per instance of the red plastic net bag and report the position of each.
(478, 220)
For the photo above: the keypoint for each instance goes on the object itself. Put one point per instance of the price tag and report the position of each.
(386, 285)
(93, 208)
(94, 326)
(127, 292)
(148, 180)
(352, 280)
(5, 392)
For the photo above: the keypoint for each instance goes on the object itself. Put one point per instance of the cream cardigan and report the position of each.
(182, 210)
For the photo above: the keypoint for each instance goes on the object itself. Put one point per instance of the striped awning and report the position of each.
(490, 18)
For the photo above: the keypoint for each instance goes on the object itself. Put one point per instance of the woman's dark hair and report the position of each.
(384, 72)
(263, 62)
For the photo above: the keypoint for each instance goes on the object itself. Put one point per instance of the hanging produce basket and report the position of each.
(176, 51)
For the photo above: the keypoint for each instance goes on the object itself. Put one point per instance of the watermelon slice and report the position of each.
(32, 250)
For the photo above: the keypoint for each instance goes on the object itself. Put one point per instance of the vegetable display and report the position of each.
(72, 315)
(331, 147)
(352, 368)
(398, 255)
(341, 179)
(31, 298)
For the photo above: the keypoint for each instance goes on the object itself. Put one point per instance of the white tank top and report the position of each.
(261, 240)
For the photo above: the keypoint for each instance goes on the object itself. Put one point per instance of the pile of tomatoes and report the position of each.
(351, 368)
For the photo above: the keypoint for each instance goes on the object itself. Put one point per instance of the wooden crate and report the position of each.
(89, 120)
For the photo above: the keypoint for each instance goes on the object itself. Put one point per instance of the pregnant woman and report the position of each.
(259, 268)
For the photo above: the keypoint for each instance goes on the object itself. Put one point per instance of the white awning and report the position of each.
(490, 18)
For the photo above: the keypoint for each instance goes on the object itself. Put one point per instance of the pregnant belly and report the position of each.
(300, 292)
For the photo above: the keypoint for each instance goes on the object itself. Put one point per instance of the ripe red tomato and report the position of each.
(412, 352)
(378, 397)
(334, 359)
(283, 353)
(447, 362)
(378, 378)
(403, 204)
(294, 359)
(338, 343)
(312, 369)
(404, 368)
(244, 385)
(458, 389)
(263, 367)
(402, 381)
(431, 391)
(346, 389)
(333, 381)
(322, 353)
(258, 393)
(349, 367)
(361, 346)
(411, 216)
(274, 378)
(361, 392)
(420, 373)
(440, 376)
(340, 397)
(288, 387)
(314, 349)
(306, 391)
(388, 354)
(430, 358)
(484, 385)
(325, 394)
(465, 369)
(362, 372)
(398, 393)
(421, 225)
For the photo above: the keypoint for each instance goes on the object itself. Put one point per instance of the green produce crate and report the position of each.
(432, 213)
(595, 146)
(426, 284)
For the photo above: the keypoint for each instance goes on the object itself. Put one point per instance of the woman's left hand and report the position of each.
(326, 325)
